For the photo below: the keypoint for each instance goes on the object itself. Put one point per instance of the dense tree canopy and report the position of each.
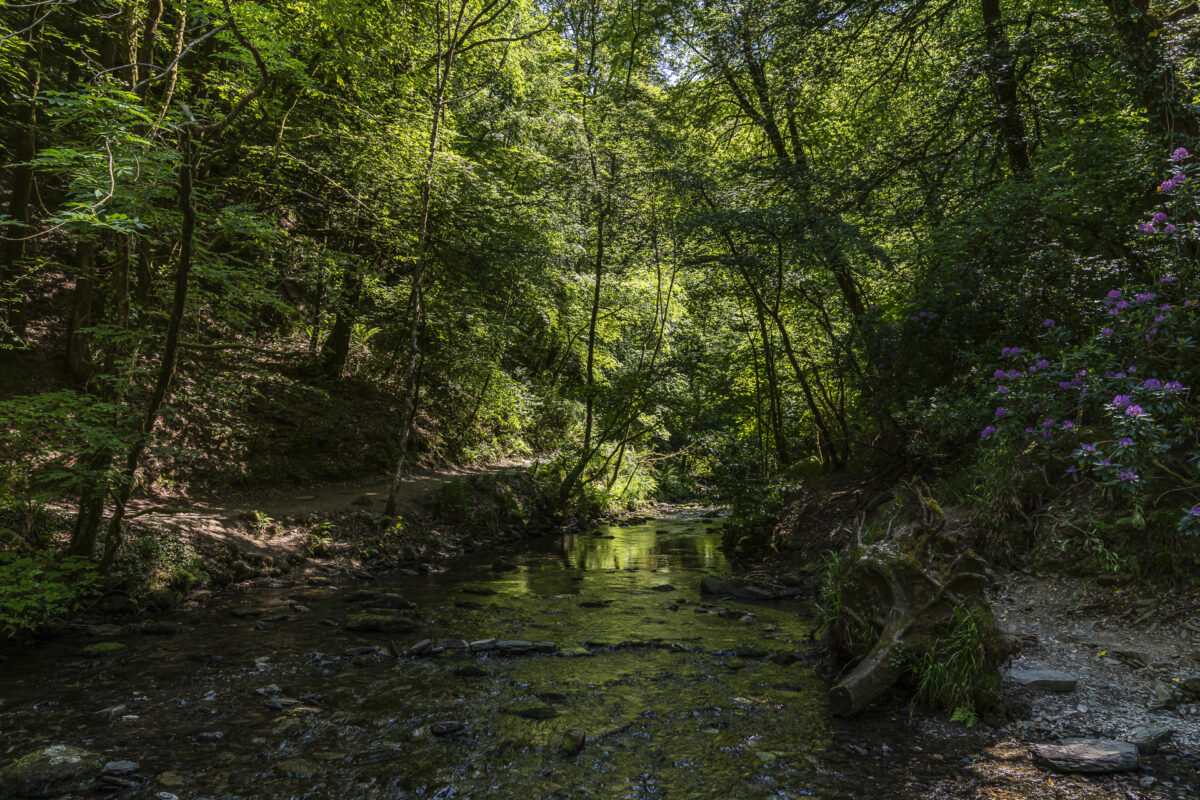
(655, 243)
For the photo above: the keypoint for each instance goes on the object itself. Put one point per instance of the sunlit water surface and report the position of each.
(669, 706)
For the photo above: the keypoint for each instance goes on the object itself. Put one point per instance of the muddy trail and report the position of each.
(589, 665)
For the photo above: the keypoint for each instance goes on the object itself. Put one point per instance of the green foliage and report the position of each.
(161, 562)
(319, 541)
(954, 672)
(40, 590)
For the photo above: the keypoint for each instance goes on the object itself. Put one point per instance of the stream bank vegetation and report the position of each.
(793, 254)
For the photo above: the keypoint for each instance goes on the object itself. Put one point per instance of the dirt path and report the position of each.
(257, 520)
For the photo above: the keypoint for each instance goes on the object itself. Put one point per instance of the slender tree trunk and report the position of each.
(1001, 69)
(409, 407)
(775, 406)
(598, 275)
(24, 148)
(79, 356)
(166, 369)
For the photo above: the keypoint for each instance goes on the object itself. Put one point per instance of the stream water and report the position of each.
(679, 697)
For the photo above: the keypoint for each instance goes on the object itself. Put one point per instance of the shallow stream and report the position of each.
(679, 696)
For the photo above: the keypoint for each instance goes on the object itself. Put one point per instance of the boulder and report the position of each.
(60, 769)
(1086, 755)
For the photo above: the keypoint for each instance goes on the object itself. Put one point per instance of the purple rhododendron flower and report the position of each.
(1174, 386)
(1194, 511)
(1106, 463)
(1071, 470)
(1106, 331)
(1047, 423)
(1002, 389)
(1160, 217)
(1134, 411)
(1012, 373)
(998, 374)
(1180, 154)
(1165, 306)
(1048, 323)
(1067, 424)
(1159, 318)
(1125, 442)
(1152, 384)
(1114, 294)
(1145, 297)
(1029, 430)
(1169, 228)
(1043, 363)
(1128, 475)
(1167, 185)
(1088, 448)
(1122, 305)
(986, 432)
(1121, 400)
(1001, 411)
(1064, 384)
(1146, 227)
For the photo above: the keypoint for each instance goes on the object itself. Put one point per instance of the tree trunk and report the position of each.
(591, 346)
(337, 345)
(24, 148)
(79, 355)
(775, 405)
(1161, 92)
(166, 369)
(1001, 68)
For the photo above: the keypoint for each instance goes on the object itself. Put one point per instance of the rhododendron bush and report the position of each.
(1110, 402)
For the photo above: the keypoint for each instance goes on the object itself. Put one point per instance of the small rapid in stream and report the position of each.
(680, 696)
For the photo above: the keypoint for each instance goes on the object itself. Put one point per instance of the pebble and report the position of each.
(121, 767)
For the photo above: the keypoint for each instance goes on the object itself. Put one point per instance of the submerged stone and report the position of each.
(102, 649)
(531, 711)
(380, 623)
(572, 742)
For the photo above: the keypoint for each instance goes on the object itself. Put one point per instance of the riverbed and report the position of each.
(580, 666)
(266, 694)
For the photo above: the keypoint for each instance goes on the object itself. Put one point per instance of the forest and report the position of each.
(864, 275)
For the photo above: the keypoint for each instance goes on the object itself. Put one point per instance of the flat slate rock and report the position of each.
(1148, 738)
(1050, 680)
(1086, 755)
